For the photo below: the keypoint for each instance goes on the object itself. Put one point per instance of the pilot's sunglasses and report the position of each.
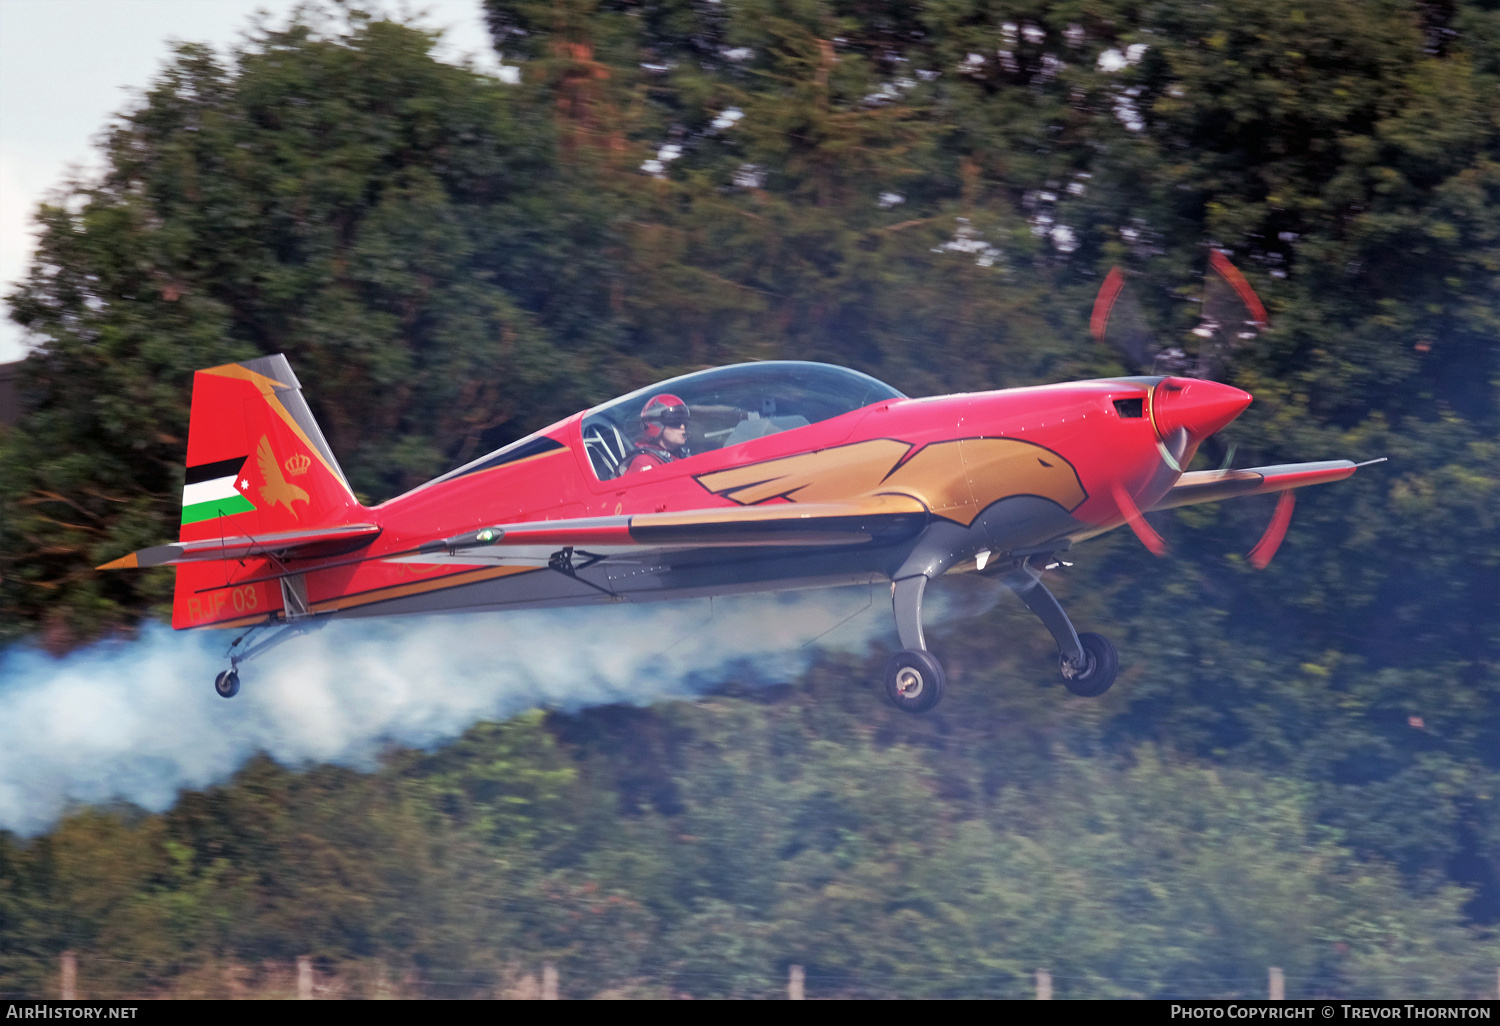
(674, 422)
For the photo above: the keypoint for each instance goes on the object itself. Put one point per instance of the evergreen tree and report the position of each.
(345, 199)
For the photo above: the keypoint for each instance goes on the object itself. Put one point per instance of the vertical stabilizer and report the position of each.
(257, 463)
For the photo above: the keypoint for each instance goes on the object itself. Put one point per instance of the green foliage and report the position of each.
(346, 200)
(796, 834)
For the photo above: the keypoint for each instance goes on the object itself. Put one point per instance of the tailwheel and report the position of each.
(1100, 665)
(914, 681)
(227, 684)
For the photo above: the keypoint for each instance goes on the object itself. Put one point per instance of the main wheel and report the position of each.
(914, 681)
(227, 684)
(1100, 664)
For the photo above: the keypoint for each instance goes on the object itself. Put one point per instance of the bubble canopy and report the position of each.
(730, 405)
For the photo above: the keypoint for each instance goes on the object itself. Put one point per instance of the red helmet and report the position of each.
(665, 410)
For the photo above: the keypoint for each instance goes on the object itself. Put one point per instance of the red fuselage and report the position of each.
(1130, 434)
(1077, 420)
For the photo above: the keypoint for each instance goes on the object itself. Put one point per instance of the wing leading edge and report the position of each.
(310, 544)
(878, 518)
(1213, 485)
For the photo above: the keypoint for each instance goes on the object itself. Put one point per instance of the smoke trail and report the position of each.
(139, 720)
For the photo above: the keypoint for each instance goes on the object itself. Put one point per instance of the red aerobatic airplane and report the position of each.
(756, 477)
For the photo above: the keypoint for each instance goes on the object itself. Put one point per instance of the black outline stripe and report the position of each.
(535, 447)
(213, 471)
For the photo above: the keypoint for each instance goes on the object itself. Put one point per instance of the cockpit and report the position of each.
(730, 405)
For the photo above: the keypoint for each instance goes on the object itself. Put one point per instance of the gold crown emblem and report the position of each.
(297, 465)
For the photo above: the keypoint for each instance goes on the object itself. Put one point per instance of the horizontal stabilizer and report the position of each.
(1213, 485)
(309, 544)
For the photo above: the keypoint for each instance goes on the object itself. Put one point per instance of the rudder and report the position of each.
(257, 463)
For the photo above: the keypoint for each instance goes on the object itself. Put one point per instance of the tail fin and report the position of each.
(262, 489)
(257, 462)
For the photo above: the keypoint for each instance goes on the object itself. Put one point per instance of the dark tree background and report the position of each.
(1301, 766)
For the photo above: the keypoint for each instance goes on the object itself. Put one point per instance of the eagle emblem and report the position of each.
(956, 479)
(276, 488)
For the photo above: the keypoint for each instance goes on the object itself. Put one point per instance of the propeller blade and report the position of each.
(1219, 452)
(1104, 302)
(1265, 549)
(1232, 277)
(1144, 531)
(1232, 313)
(1117, 321)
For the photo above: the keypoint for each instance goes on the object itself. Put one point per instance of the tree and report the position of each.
(343, 198)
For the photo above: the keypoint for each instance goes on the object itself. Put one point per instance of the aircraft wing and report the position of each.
(1212, 485)
(308, 544)
(868, 519)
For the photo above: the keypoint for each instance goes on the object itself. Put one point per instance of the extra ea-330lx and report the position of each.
(754, 477)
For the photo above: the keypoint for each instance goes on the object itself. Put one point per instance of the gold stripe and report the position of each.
(382, 594)
(234, 370)
(419, 587)
(218, 625)
(825, 475)
(265, 385)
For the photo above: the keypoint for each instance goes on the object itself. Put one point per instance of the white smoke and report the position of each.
(139, 720)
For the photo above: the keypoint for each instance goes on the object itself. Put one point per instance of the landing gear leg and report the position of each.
(1089, 662)
(227, 683)
(913, 677)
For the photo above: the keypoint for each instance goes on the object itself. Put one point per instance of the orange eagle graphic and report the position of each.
(276, 488)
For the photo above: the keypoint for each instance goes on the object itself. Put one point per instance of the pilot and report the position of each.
(664, 421)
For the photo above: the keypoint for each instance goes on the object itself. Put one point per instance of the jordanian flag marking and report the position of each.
(215, 489)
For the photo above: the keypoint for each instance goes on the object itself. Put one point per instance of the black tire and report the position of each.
(914, 681)
(1101, 664)
(227, 684)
